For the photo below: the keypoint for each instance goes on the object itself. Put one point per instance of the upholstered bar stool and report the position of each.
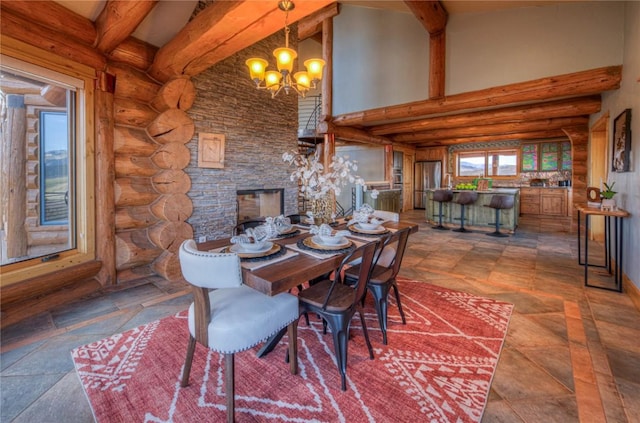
(442, 196)
(500, 202)
(464, 199)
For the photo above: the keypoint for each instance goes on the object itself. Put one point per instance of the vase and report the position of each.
(608, 204)
(321, 210)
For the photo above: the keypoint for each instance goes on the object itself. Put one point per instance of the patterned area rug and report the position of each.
(437, 368)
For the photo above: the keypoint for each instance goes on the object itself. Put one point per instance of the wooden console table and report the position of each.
(612, 243)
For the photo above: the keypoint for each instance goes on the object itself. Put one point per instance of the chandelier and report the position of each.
(276, 81)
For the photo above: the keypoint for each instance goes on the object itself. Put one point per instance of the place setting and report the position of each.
(364, 224)
(324, 242)
(255, 248)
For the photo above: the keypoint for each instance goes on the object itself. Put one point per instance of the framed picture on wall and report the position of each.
(622, 142)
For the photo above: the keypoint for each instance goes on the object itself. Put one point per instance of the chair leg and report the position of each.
(395, 289)
(462, 228)
(366, 333)
(292, 332)
(497, 232)
(380, 293)
(191, 348)
(440, 225)
(340, 330)
(229, 387)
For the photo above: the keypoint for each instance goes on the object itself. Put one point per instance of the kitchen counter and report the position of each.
(476, 214)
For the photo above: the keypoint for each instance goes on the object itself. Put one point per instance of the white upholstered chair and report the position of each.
(227, 316)
(387, 216)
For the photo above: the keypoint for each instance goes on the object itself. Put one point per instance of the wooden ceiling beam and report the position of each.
(582, 83)
(351, 134)
(219, 31)
(534, 135)
(491, 130)
(554, 109)
(312, 24)
(430, 13)
(118, 20)
(54, 16)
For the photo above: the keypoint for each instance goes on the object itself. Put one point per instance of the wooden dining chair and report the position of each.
(233, 319)
(383, 277)
(337, 303)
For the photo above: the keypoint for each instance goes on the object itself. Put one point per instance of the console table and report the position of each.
(612, 243)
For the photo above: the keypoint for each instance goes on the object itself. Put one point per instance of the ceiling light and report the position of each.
(282, 79)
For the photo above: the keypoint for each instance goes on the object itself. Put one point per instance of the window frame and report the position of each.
(560, 143)
(20, 56)
(486, 153)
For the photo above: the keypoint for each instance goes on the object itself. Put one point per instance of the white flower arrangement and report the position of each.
(315, 183)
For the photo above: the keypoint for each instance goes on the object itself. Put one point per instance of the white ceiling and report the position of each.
(169, 16)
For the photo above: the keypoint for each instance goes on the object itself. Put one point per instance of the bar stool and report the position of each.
(499, 202)
(464, 199)
(442, 196)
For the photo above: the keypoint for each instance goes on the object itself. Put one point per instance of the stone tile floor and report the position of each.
(572, 354)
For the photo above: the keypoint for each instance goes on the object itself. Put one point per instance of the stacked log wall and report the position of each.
(150, 184)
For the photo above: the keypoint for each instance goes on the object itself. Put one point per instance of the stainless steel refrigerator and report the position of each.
(427, 175)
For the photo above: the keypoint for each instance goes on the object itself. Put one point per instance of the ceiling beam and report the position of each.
(493, 129)
(431, 14)
(118, 20)
(312, 24)
(351, 134)
(219, 31)
(553, 109)
(582, 83)
(533, 135)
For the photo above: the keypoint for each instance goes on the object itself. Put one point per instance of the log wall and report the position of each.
(150, 186)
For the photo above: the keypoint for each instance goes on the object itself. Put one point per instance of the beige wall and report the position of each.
(483, 50)
(628, 97)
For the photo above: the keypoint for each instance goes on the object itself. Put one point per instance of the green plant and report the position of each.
(608, 193)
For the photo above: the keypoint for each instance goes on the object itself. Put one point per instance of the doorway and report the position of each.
(598, 166)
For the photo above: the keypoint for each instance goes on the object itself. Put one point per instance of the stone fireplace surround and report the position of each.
(257, 129)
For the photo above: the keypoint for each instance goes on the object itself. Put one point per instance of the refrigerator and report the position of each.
(427, 176)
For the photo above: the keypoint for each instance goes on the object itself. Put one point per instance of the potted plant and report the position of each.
(608, 203)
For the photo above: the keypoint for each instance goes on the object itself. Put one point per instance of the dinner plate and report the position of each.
(357, 229)
(315, 242)
(266, 250)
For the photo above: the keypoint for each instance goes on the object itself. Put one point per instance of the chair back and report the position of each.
(366, 266)
(401, 236)
(209, 270)
(296, 218)
(387, 215)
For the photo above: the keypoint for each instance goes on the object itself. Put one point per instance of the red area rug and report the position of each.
(437, 368)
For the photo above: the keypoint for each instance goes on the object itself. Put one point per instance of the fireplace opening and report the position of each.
(255, 204)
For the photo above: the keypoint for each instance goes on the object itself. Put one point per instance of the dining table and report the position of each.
(282, 275)
(286, 273)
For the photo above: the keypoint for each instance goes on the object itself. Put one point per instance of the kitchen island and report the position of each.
(476, 215)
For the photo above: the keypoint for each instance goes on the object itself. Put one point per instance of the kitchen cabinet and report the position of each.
(544, 201)
(388, 200)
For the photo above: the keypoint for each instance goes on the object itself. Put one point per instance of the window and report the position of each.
(490, 163)
(47, 153)
(546, 156)
(55, 155)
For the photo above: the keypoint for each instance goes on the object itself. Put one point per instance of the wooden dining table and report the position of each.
(281, 276)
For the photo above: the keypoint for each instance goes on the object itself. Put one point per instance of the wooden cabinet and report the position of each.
(553, 202)
(543, 201)
(530, 201)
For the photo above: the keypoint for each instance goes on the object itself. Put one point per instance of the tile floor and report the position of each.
(572, 354)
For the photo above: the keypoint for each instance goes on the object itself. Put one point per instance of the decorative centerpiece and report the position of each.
(316, 182)
(608, 203)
